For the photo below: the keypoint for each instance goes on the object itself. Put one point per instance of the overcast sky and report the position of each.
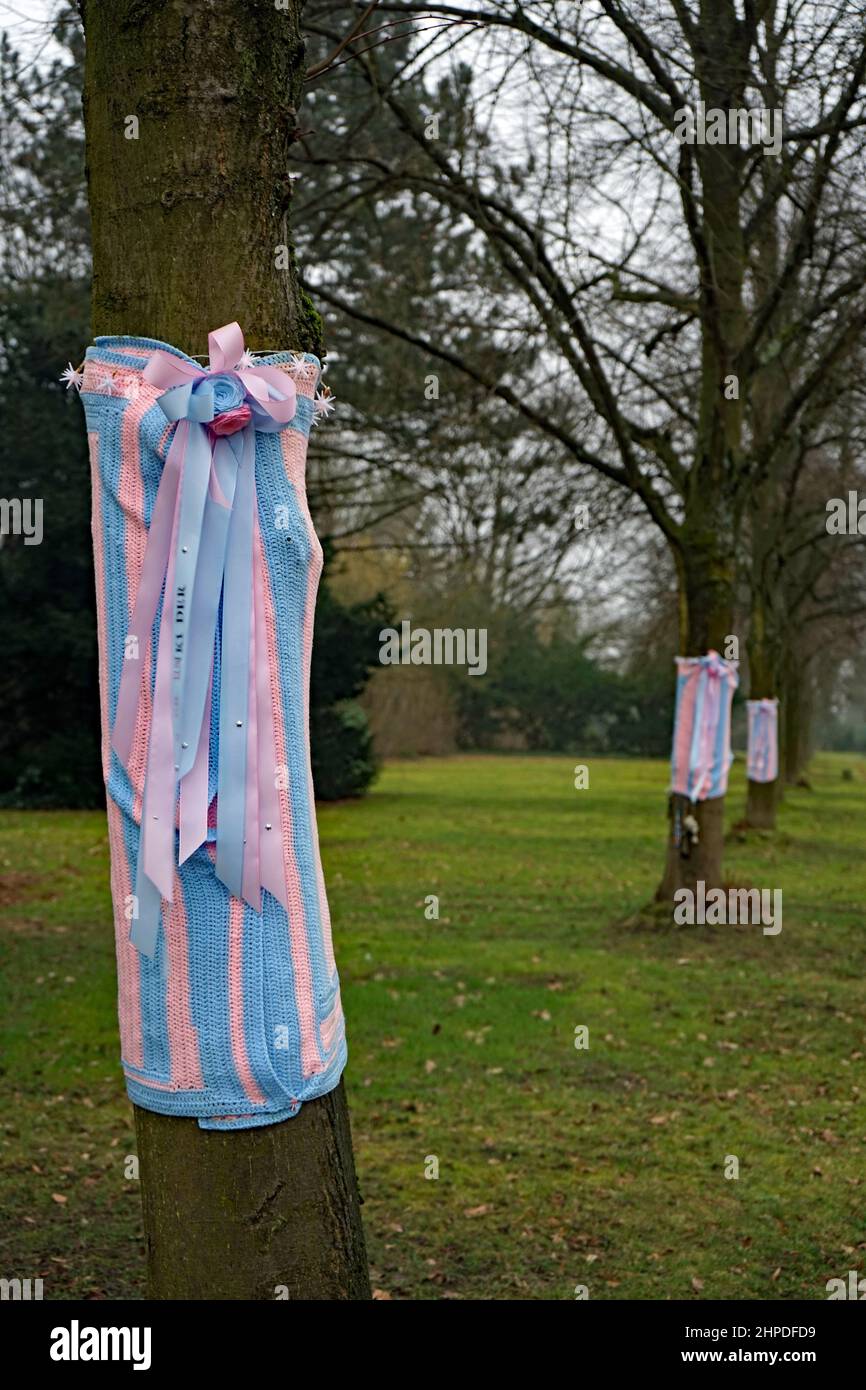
(28, 24)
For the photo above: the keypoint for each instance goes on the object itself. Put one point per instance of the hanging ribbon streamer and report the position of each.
(201, 548)
(702, 753)
(763, 756)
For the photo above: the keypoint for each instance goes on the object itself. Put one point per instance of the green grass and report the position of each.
(557, 1167)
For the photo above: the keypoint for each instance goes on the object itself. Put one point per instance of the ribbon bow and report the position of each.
(204, 544)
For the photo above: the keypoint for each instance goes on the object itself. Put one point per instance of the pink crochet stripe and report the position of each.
(298, 944)
(183, 1046)
(709, 724)
(330, 1027)
(128, 987)
(685, 725)
(148, 1081)
(99, 574)
(294, 450)
(131, 499)
(236, 1004)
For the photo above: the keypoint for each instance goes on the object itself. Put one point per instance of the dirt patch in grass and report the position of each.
(21, 888)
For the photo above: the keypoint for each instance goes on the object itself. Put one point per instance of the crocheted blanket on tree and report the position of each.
(763, 747)
(701, 755)
(236, 1017)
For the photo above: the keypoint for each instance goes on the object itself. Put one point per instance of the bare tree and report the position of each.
(674, 192)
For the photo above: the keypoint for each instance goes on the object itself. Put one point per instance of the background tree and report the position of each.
(806, 592)
(660, 327)
(422, 458)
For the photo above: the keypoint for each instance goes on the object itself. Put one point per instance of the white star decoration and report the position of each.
(246, 361)
(323, 405)
(106, 386)
(72, 376)
(297, 364)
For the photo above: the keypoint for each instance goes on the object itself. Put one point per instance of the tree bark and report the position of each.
(762, 797)
(252, 1214)
(705, 574)
(190, 206)
(761, 801)
(798, 707)
(188, 221)
(704, 861)
(767, 618)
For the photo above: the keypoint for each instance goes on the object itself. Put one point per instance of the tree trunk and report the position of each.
(767, 618)
(797, 718)
(704, 861)
(252, 1214)
(190, 112)
(789, 724)
(705, 576)
(190, 205)
(761, 805)
(761, 797)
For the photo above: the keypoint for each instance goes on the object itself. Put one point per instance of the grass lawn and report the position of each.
(557, 1167)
